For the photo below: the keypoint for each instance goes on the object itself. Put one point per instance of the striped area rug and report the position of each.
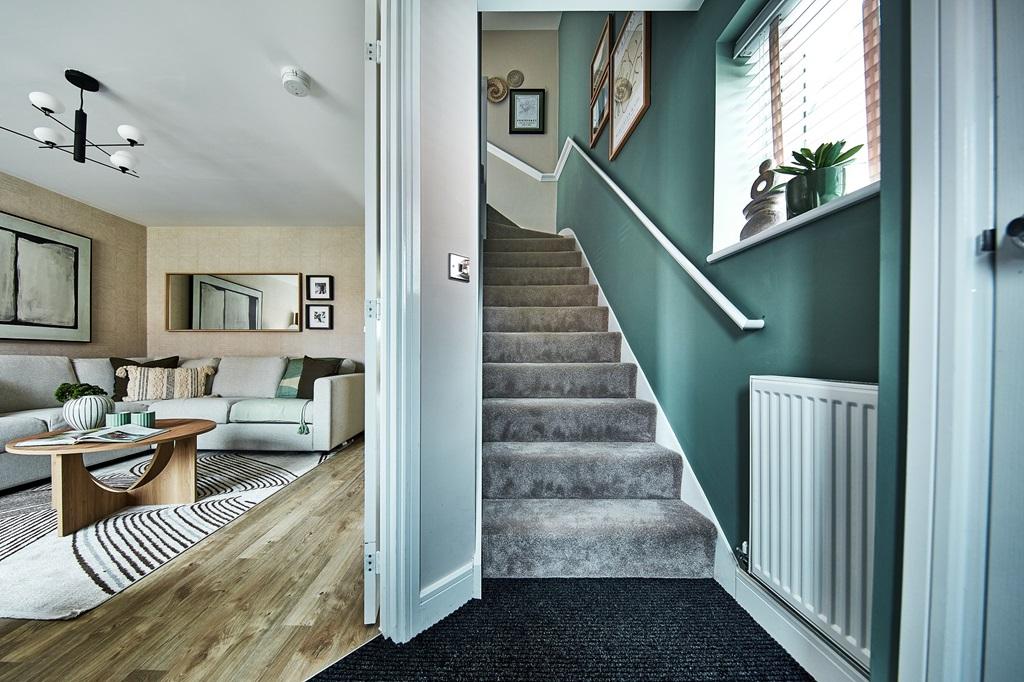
(48, 578)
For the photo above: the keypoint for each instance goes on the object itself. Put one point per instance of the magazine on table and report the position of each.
(126, 433)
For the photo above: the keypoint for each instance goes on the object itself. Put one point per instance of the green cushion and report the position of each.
(268, 410)
(299, 375)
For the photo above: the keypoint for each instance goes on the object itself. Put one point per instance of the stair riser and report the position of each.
(522, 245)
(541, 296)
(581, 476)
(527, 276)
(595, 539)
(581, 380)
(573, 421)
(545, 319)
(537, 259)
(552, 347)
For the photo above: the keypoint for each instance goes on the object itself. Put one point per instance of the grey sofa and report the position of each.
(241, 386)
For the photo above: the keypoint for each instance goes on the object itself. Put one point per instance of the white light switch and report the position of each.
(458, 267)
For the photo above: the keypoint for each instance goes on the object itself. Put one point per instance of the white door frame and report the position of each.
(950, 340)
(399, 328)
(371, 439)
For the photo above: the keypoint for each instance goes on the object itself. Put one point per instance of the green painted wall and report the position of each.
(817, 287)
(833, 294)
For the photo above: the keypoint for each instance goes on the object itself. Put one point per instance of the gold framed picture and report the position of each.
(630, 79)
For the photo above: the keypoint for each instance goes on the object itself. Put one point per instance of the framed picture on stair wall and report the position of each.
(630, 74)
(599, 62)
(526, 111)
(599, 112)
(45, 282)
(320, 287)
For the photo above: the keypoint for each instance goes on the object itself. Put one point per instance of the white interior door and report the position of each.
(1004, 617)
(371, 184)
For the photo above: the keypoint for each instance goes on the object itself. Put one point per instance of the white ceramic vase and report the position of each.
(87, 412)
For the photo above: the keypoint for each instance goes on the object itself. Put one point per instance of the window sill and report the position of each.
(815, 214)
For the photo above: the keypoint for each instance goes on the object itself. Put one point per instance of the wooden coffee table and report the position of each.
(80, 499)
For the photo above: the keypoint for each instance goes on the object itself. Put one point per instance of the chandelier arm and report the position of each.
(27, 137)
(52, 117)
(105, 165)
(90, 144)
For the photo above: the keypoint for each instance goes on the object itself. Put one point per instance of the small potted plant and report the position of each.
(819, 176)
(85, 405)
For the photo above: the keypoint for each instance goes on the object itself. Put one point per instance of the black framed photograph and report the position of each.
(526, 111)
(45, 282)
(320, 287)
(319, 316)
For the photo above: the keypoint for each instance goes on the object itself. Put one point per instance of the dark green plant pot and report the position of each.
(804, 192)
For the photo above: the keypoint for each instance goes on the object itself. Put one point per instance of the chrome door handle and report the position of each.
(1015, 231)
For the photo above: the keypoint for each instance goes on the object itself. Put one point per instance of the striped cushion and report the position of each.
(153, 383)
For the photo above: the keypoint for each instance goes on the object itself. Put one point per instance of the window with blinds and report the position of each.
(812, 77)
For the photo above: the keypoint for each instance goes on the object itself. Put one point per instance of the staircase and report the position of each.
(573, 483)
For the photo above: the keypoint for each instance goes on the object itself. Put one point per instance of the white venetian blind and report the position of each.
(813, 69)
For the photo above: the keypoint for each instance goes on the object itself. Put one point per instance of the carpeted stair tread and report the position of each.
(545, 319)
(547, 538)
(533, 259)
(543, 295)
(497, 230)
(535, 244)
(542, 347)
(561, 419)
(581, 471)
(559, 380)
(500, 276)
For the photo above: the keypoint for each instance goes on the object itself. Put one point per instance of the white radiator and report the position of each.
(812, 501)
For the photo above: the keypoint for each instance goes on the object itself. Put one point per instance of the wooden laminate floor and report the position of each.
(275, 595)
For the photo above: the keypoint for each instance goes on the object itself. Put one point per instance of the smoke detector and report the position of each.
(295, 81)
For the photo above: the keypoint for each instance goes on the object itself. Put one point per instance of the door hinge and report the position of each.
(373, 308)
(373, 51)
(987, 240)
(371, 558)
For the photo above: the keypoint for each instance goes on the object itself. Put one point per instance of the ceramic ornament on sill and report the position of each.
(768, 203)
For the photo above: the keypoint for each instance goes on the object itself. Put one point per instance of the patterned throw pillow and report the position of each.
(152, 383)
(288, 387)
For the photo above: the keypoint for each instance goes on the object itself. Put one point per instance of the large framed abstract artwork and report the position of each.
(45, 282)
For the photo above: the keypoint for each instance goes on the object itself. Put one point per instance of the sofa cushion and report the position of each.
(214, 409)
(249, 377)
(121, 383)
(19, 426)
(129, 406)
(95, 371)
(188, 363)
(53, 417)
(28, 381)
(272, 411)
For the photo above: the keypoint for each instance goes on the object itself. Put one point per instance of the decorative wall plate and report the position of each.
(497, 89)
(515, 78)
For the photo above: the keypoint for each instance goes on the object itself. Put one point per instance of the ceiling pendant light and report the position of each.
(124, 161)
(46, 102)
(130, 134)
(120, 160)
(48, 136)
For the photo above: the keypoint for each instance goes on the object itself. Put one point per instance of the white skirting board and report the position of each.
(442, 597)
(799, 640)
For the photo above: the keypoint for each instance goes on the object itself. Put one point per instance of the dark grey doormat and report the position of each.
(593, 629)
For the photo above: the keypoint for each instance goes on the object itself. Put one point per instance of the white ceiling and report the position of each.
(225, 144)
(520, 21)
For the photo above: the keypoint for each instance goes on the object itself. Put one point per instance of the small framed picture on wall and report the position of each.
(320, 287)
(599, 112)
(526, 111)
(319, 316)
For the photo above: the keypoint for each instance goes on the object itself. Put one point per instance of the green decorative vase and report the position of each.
(804, 192)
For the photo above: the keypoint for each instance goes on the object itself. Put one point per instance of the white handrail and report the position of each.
(727, 306)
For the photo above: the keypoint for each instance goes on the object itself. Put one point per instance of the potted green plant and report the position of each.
(819, 176)
(85, 405)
